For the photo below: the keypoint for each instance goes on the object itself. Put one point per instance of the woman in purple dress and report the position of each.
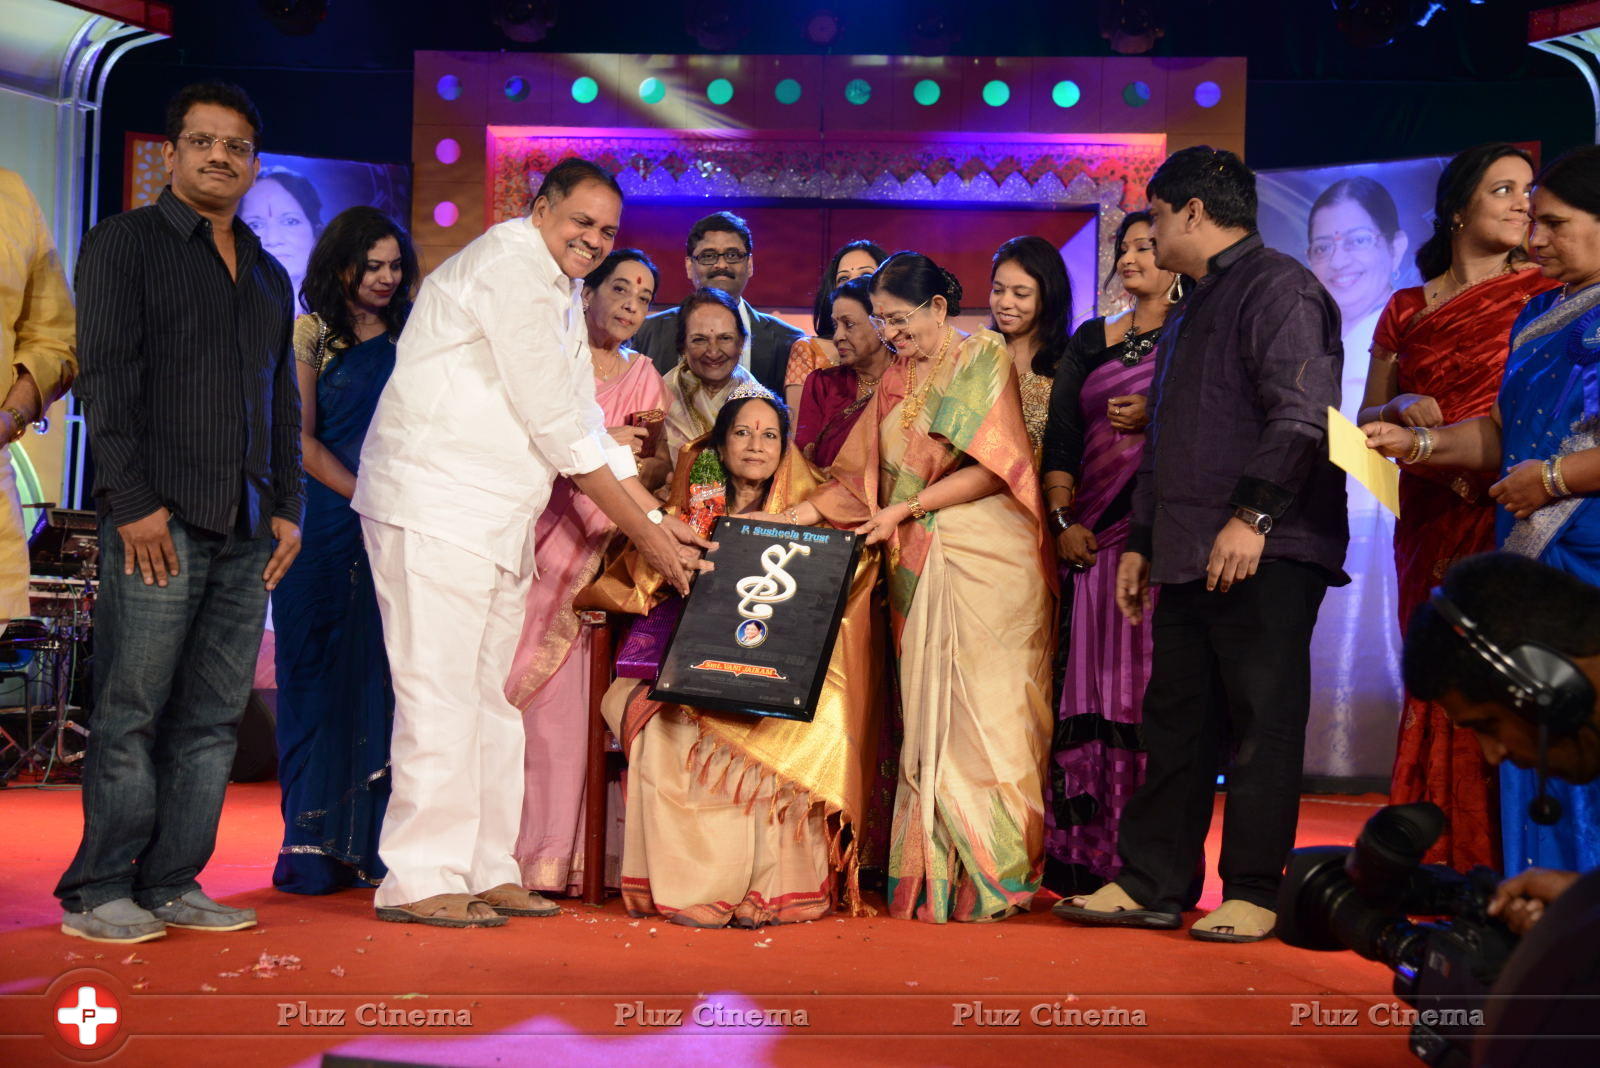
(1093, 441)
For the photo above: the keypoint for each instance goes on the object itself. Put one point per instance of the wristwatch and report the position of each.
(1260, 522)
(655, 515)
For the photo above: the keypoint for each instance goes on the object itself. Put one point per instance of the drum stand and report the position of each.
(53, 747)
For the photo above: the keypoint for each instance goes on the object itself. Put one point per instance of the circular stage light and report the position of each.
(858, 91)
(448, 87)
(517, 88)
(652, 90)
(720, 91)
(926, 92)
(996, 93)
(1066, 94)
(822, 28)
(788, 91)
(445, 213)
(447, 151)
(585, 90)
(1208, 94)
(1136, 94)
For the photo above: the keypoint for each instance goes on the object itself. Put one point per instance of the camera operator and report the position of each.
(1511, 649)
(1546, 624)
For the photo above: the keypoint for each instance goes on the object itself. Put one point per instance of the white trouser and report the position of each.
(451, 621)
(13, 545)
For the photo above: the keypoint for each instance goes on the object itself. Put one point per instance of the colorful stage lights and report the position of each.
(446, 214)
(853, 79)
(447, 151)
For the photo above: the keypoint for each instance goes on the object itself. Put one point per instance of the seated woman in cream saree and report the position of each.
(735, 819)
(940, 468)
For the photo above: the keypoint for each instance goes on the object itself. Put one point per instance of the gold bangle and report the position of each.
(1416, 446)
(1555, 476)
(19, 421)
(917, 511)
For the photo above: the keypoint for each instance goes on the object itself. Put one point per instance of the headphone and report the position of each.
(1540, 684)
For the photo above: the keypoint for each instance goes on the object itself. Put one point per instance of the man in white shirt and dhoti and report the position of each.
(492, 398)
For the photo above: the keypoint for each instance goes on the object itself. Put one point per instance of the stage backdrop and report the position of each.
(293, 198)
(1357, 228)
(869, 146)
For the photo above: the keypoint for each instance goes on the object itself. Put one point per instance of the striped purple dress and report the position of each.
(1097, 758)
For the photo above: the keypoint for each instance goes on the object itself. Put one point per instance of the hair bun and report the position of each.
(952, 291)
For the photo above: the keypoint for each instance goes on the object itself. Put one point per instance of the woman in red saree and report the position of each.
(940, 469)
(550, 675)
(1437, 358)
(834, 397)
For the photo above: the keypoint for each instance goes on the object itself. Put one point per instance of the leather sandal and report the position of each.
(1110, 906)
(441, 910)
(509, 899)
(1223, 923)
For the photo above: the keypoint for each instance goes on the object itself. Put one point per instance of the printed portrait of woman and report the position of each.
(285, 212)
(1356, 248)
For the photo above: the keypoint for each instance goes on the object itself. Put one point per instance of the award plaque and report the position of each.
(756, 633)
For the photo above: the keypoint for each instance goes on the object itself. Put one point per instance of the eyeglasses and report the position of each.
(895, 322)
(711, 257)
(237, 146)
(1361, 240)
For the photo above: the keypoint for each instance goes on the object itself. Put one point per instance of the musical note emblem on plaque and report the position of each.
(756, 633)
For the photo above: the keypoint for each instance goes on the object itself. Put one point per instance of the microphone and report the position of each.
(1544, 809)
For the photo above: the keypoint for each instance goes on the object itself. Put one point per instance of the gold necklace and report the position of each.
(1462, 284)
(617, 363)
(915, 400)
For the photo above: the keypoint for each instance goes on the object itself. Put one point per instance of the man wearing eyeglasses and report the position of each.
(187, 383)
(720, 254)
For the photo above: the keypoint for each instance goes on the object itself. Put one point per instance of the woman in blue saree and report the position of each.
(1544, 438)
(335, 703)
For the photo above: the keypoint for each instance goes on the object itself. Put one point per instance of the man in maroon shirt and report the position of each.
(1240, 518)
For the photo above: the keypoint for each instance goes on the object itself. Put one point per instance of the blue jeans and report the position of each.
(173, 668)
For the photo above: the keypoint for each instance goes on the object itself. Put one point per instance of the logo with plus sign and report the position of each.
(87, 1015)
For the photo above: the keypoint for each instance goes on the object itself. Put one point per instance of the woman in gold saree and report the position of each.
(941, 469)
(735, 818)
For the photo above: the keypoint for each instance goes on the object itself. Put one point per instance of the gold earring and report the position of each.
(1175, 290)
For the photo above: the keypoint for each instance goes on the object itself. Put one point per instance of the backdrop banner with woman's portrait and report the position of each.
(756, 633)
(1357, 227)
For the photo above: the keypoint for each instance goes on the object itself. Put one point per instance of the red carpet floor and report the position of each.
(594, 986)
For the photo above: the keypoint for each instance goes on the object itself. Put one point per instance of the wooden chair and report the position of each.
(601, 744)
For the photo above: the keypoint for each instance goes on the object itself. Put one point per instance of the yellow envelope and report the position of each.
(1347, 448)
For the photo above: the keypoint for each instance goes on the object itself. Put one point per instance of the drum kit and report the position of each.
(47, 653)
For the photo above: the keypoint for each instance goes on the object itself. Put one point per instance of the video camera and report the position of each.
(1363, 898)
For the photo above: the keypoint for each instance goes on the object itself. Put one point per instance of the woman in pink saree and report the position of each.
(550, 676)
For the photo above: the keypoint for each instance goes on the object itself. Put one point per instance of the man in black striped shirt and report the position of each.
(188, 387)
